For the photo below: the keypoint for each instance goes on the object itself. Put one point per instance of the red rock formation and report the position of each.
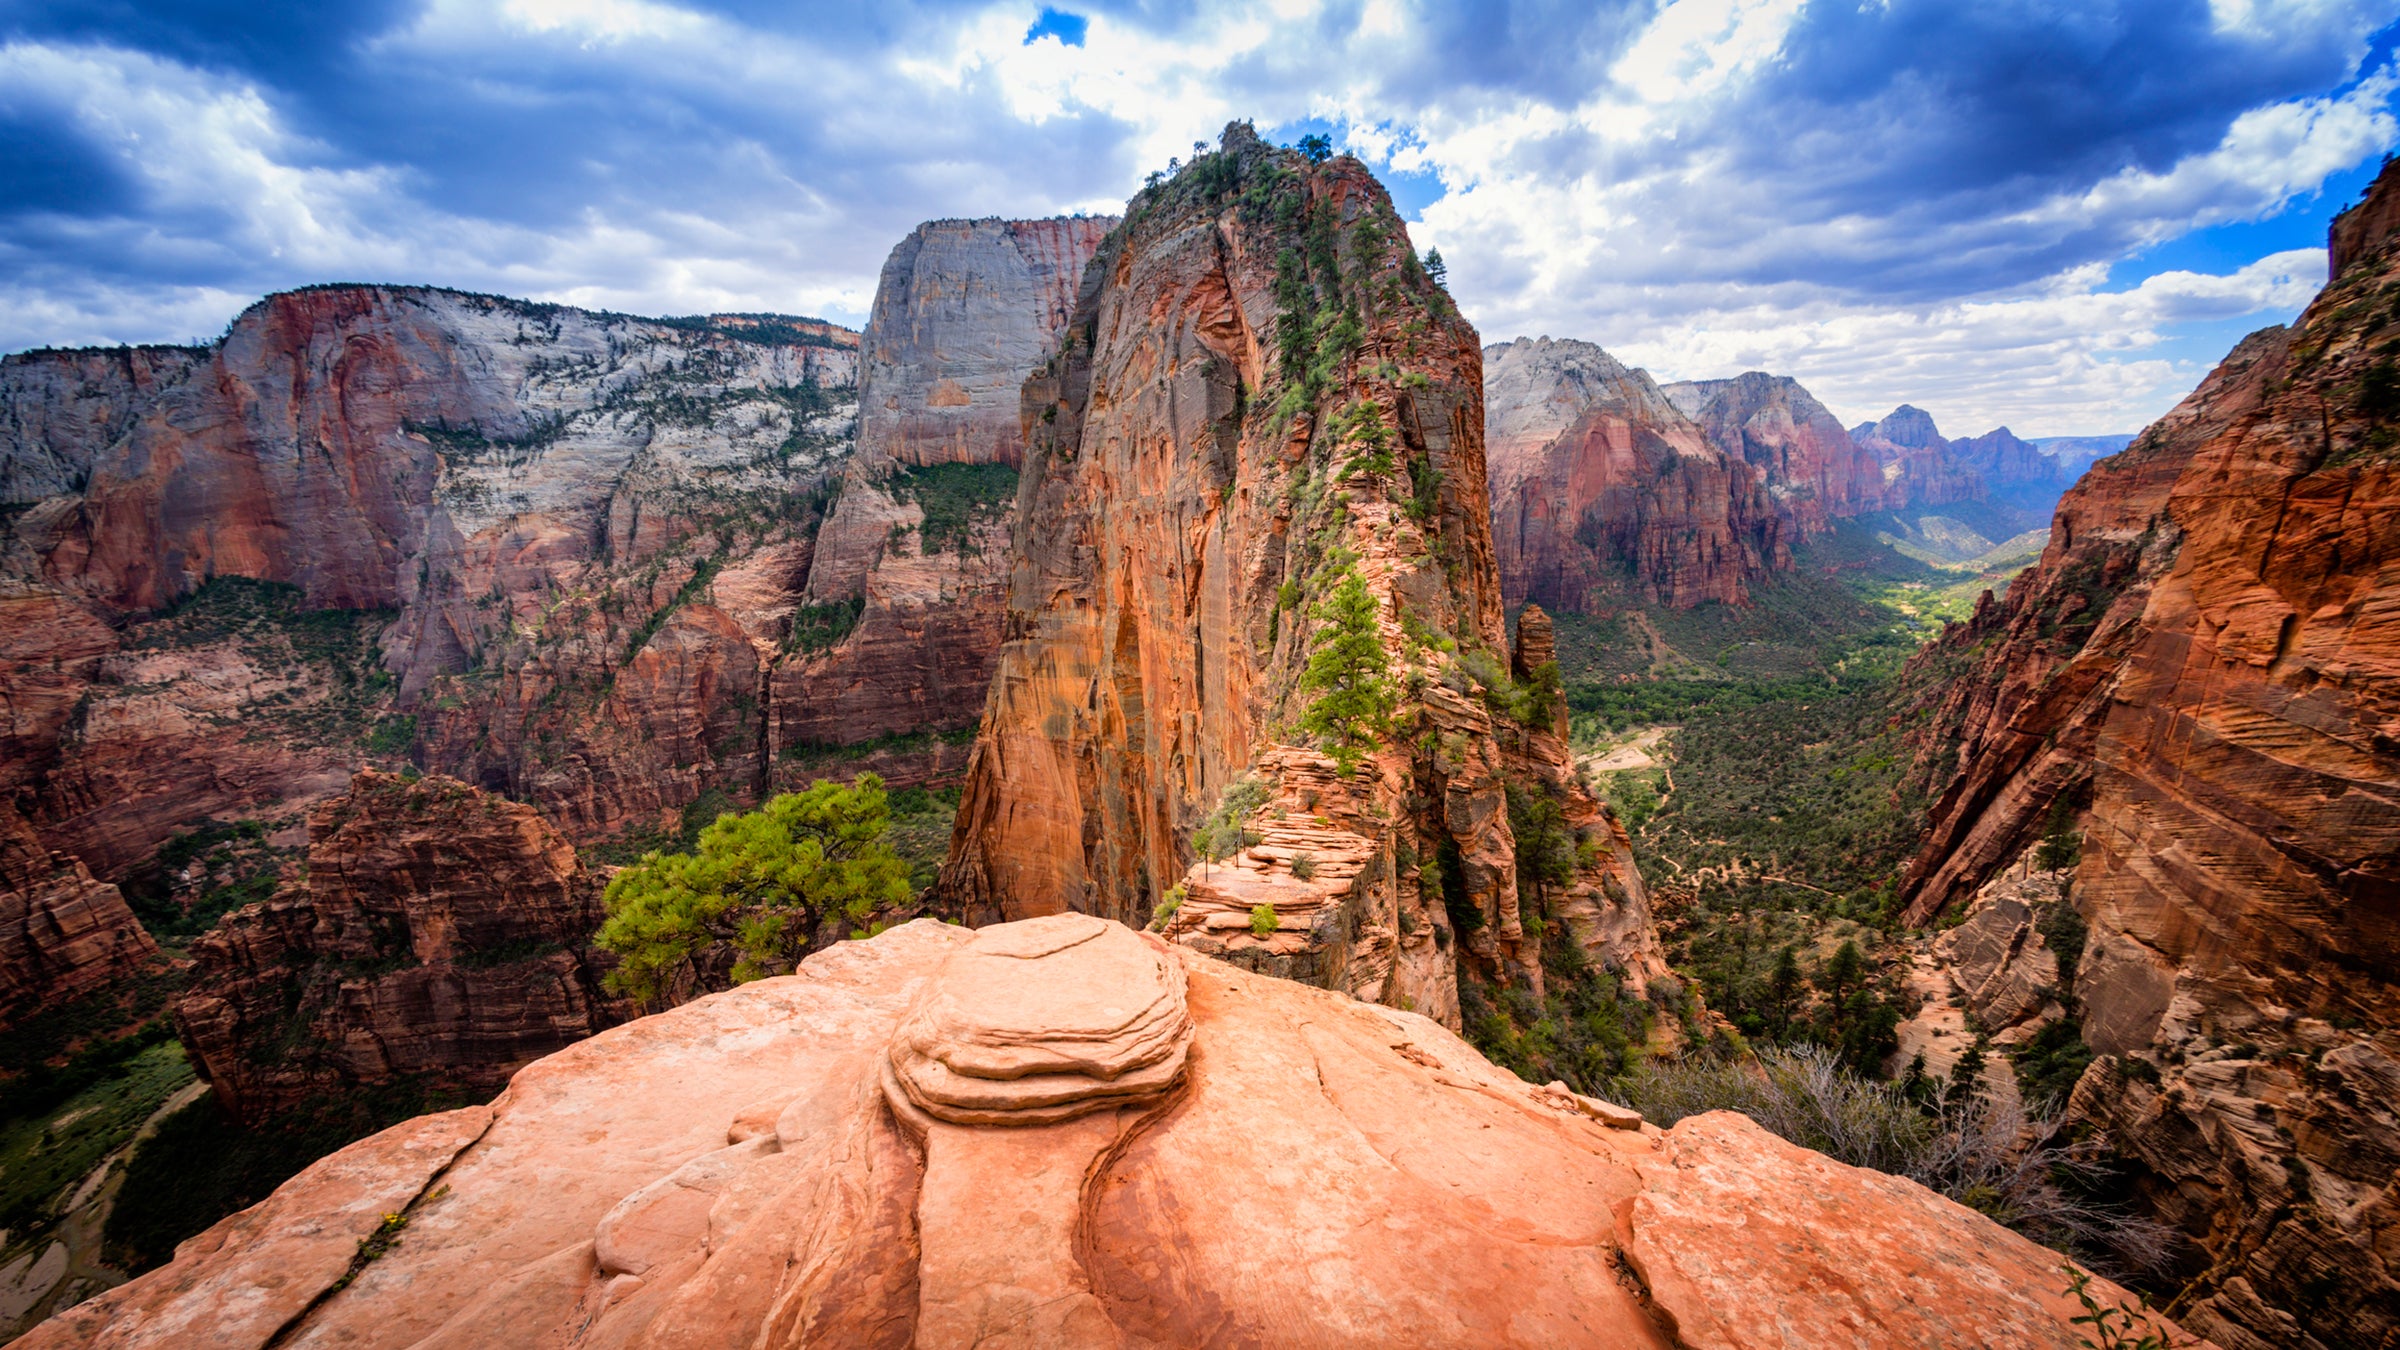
(1814, 473)
(441, 933)
(2008, 465)
(1604, 493)
(1204, 465)
(2209, 652)
(62, 934)
(1918, 468)
(964, 312)
(1190, 1151)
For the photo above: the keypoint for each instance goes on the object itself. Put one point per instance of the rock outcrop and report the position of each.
(1918, 468)
(1814, 473)
(441, 933)
(1266, 406)
(1605, 493)
(913, 558)
(761, 1168)
(2009, 465)
(2205, 669)
(62, 934)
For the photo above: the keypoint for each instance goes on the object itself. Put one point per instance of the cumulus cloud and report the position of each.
(1892, 199)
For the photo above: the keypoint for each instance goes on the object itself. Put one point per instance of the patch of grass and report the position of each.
(45, 1154)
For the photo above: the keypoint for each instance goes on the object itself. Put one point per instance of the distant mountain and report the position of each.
(2077, 453)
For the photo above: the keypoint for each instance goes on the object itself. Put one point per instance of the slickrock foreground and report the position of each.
(1296, 1168)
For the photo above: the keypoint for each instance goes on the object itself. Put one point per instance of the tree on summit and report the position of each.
(1316, 149)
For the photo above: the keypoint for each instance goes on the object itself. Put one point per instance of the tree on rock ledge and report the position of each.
(758, 886)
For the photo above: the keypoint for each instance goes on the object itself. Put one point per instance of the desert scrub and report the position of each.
(1165, 911)
(1263, 920)
(1304, 866)
(1223, 831)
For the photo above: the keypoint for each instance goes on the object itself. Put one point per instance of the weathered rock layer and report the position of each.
(739, 1171)
(441, 934)
(2205, 667)
(1264, 401)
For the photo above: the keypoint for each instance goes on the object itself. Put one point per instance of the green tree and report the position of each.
(1316, 149)
(1783, 992)
(757, 886)
(1348, 672)
(2062, 843)
(1436, 270)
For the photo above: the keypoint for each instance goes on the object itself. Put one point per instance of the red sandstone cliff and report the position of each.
(2206, 664)
(62, 934)
(1603, 492)
(1814, 473)
(441, 933)
(964, 312)
(1060, 1133)
(1262, 393)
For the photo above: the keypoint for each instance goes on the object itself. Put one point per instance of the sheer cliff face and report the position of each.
(62, 933)
(470, 917)
(1814, 473)
(1261, 396)
(2206, 665)
(1604, 492)
(964, 312)
(569, 538)
(1918, 468)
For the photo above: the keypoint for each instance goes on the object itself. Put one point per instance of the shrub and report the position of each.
(1164, 914)
(1223, 831)
(1262, 920)
(1304, 865)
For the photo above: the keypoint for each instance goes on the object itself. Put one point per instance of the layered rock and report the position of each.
(441, 934)
(1267, 400)
(518, 508)
(2209, 654)
(1918, 469)
(1814, 473)
(62, 934)
(964, 312)
(2008, 464)
(741, 1171)
(1605, 493)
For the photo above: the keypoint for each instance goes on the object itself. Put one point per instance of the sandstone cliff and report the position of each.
(441, 933)
(1918, 468)
(1814, 473)
(913, 558)
(1062, 1133)
(1264, 404)
(1605, 493)
(62, 933)
(500, 518)
(2205, 668)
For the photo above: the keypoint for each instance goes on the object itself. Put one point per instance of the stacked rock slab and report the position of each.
(2203, 673)
(442, 934)
(1263, 396)
(739, 1171)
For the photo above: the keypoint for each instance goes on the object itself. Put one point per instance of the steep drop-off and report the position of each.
(1605, 493)
(1059, 1133)
(440, 934)
(2205, 669)
(1814, 473)
(62, 933)
(911, 566)
(1265, 406)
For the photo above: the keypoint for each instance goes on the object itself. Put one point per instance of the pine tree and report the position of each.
(1348, 672)
(1436, 270)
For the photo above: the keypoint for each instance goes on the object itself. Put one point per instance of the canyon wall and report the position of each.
(547, 549)
(1263, 437)
(1060, 1133)
(62, 933)
(2205, 670)
(1918, 468)
(1605, 493)
(1813, 472)
(911, 567)
(440, 934)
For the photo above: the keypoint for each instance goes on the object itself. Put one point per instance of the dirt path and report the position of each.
(1633, 754)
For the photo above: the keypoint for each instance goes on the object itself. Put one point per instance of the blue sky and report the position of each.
(2054, 214)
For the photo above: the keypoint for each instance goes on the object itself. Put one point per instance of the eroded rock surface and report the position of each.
(1604, 492)
(1814, 473)
(1316, 1171)
(442, 933)
(2209, 656)
(1205, 465)
(62, 933)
